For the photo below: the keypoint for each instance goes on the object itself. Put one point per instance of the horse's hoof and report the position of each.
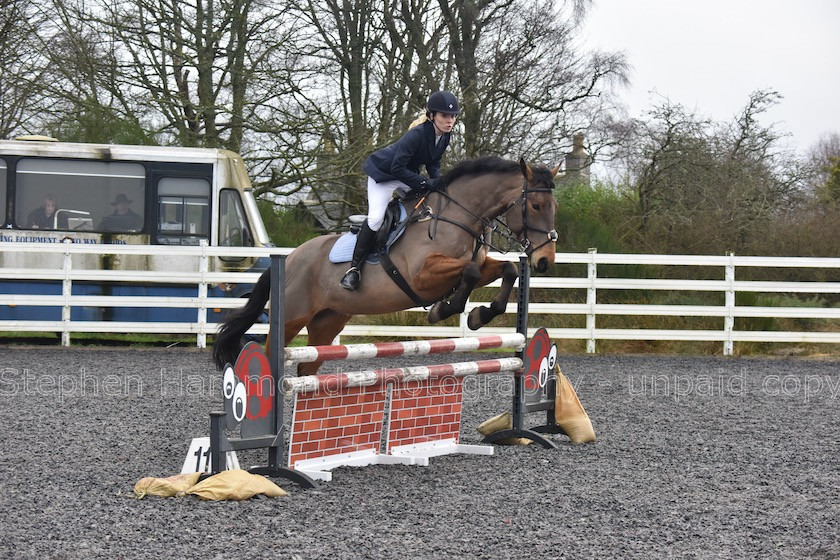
(476, 319)
(351, 279)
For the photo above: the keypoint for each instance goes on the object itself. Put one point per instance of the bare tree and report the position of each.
(23, 67)
(305, 90)
(413, 64)
(343, 41)
(215, 73)
(527, 87)
(192, 65)
(705, 186)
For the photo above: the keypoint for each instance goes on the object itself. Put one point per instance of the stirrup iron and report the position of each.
(351, 279)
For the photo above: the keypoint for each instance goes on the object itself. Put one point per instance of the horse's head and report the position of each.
(531, 218)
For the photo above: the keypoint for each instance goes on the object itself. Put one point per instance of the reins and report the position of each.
(482, 238)
(490, 225)
(437, 216)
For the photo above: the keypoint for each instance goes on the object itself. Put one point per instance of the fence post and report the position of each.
(729, 319)
(591, 274)
(66, 291)
(201, 337)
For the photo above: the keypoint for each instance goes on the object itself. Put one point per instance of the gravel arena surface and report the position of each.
(696, 458)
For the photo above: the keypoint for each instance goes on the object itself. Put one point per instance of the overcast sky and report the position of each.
(710, 55)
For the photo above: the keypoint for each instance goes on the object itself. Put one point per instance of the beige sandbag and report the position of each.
(569, 413)
(166, 487)
(235, 485)
(503, 421)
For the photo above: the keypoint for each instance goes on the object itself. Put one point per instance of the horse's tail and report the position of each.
(228, 343)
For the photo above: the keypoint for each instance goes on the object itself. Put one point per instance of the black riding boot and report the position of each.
(364, 242)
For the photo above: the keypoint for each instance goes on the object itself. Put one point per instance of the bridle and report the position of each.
(482, 237)
(551, 235)
(488, 226)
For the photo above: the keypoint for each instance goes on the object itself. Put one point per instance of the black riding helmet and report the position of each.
(443, 102)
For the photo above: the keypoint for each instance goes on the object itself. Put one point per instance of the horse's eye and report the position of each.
(537, 207)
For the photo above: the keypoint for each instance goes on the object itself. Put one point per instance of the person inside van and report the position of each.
(123, 218)
(44, 217)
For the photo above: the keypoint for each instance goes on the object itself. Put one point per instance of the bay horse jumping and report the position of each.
(442, 259)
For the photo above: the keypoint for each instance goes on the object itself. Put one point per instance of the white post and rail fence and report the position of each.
(572, 296)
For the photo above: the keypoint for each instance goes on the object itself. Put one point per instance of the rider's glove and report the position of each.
(435, 184)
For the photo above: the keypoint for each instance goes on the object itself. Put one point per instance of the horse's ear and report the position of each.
(526, 171)
(555, 171)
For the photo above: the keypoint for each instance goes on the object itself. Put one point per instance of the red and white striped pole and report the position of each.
(336, 382)
(307, 354)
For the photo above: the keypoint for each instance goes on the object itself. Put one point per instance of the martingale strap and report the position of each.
(399, 280)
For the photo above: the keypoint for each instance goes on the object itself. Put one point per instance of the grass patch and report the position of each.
(150, 340)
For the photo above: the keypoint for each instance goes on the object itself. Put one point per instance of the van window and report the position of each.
(233, 227)
(183, 211)
(79, 195)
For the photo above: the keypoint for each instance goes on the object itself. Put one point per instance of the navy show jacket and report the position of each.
(401, 160)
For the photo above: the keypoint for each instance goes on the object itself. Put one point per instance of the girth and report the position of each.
(400, 281)
(394, 273)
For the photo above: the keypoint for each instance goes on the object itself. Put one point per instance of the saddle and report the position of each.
(395, 216)
(393, 226)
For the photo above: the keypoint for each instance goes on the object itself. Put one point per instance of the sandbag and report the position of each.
(235, 485)
(503, 421)
(569, 413)
(165, 487)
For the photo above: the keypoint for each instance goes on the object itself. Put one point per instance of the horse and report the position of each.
(440, 259)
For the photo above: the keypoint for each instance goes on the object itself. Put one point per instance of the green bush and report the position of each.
(591, 217)
(287, 226)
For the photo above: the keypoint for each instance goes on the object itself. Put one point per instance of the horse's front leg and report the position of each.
(458, 301)
(492, 269)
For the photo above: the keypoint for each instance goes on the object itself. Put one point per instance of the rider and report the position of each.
(397, 168)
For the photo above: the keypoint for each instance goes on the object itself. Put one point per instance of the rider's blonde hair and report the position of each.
(418, 121)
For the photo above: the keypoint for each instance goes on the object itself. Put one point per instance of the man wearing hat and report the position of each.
(123, 219)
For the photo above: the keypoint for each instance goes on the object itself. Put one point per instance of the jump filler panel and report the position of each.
(324, 424)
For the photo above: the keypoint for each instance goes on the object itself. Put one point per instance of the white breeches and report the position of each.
(379, 195)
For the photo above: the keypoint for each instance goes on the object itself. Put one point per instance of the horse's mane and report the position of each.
(480, 166)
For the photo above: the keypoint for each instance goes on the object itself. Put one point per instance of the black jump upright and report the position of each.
(220, 444)
(525, 401)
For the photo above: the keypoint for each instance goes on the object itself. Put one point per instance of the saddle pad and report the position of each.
(342, 251)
